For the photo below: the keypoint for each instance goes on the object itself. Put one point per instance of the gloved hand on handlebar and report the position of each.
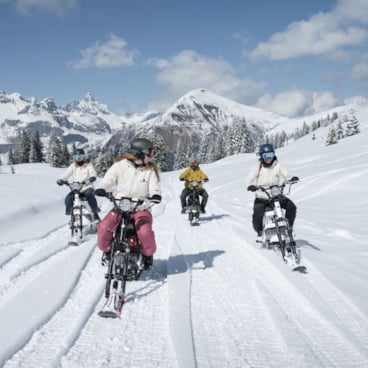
(100, 192)
(60, 182)
(206, 180)
(252, 188)
(294, 179)
(181, 179)
(155, 198)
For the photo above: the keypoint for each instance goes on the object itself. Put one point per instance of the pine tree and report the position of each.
(56, 152)
(352, 126)
(160, 150)
(181, 159)
(331, 137)
(25, 145)
(66, 156)
(36, 154)
(339, 131)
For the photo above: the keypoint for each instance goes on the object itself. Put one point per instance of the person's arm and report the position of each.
(109, 181)
(204, 177)
(68, 173)
(183, 175)
(92, 170)
(284, 173)
(252, 176)
(154, 188)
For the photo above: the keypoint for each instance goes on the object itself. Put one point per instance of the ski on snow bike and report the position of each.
(276, 233)
(126, 261)
(82, 219)
(193, 207)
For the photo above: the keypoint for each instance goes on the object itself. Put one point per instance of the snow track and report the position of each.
(213, 299)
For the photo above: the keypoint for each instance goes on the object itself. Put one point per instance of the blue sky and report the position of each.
(292, 57)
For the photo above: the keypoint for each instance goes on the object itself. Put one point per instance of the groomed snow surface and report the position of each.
(214, 297)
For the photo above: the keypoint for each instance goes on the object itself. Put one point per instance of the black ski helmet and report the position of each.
(265, 148)
(140, 147)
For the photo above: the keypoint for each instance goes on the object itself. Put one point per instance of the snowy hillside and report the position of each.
(214, 298)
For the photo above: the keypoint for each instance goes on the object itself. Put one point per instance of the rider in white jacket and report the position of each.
(132, 175)
(267, 172)
(81, 170)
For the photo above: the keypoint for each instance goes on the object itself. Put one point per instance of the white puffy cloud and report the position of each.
(298, 102)
(112, 53)
(189, 70)
(321, 34)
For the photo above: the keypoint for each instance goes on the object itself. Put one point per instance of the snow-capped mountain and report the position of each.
(79, 121)
(198, 115)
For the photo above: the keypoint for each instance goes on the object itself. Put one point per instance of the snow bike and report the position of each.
(126, 260)
(81, 220)
(193, 208)
(276, 233)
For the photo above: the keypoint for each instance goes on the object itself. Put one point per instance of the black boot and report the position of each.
(147, 262)
(106, 257)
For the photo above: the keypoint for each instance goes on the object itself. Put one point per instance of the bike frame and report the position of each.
(80, 210)
(276, 229)
(193, 201)
(126, 263)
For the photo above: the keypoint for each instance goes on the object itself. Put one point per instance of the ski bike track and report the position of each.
(212, 295)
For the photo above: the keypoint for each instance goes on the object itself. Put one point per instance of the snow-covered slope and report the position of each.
(213, 298)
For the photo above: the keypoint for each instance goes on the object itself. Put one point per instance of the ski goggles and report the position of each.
(79, 157)
(267, 155)
(149, 152)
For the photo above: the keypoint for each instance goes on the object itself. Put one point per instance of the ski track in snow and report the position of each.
(168, 315)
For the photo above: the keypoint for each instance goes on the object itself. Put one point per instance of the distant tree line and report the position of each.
(240, 137)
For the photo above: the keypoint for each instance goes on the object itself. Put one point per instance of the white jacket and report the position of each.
(80, 173)
(266, 176)
(131, 181)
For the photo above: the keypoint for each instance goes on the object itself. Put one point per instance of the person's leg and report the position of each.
(91, 199)
(258, 212)
(68, 203)
(183, 197)
(105, 231)
(204, 195)
(290, 210)
(143, 225)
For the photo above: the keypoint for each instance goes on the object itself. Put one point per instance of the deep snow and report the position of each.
(214, 298)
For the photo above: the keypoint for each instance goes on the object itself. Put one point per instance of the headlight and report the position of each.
(125, 205)
(76, 186)
(194, 183)
(275, 191)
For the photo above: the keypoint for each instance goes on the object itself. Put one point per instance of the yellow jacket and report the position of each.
(189, 175)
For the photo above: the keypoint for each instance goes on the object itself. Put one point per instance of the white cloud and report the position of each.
(298, 102)
(359, 100)
(360, 69)
(321, 34)
(112, 53)
(189, 70)
(58, 7)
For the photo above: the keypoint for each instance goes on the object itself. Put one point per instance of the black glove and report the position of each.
(100, 192)
(155, 198)
(205, 180)
(181, 179)
(60, 182)
(252, 188)
(92, 179)
(294, 179)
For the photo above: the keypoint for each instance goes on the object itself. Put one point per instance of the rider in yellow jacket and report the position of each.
(193, 172)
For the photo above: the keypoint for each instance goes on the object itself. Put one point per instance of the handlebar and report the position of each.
(122, 204)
